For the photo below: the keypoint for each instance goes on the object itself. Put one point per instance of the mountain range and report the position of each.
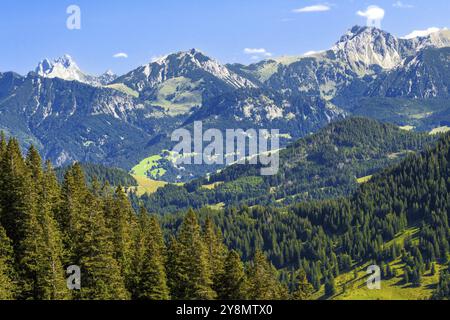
(120, 120)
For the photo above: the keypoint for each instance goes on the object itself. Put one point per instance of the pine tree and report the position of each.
(330, 286)
(88, 240)
(7, 286)
(3, 144)
(120, 219)
(304, 288)
(217, 252)
(194, 261)
(233, 280)
(101, 278)
(42, 274)
(176, 275)
(152, 277)
(15, 199)
(74, 212)
(263, 281)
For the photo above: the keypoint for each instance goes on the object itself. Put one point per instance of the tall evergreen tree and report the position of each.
(101, 278)
(7, 285)
(263, 280)
(330, 286)
(15, 198)
(233, 281)
(194, 261)
(304, 289)
(121, 220)
(152, 277)
(217, 252)
(42, 274)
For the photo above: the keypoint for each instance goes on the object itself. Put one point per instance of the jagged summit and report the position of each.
(63, 67)
(66, 68)
(191, 70)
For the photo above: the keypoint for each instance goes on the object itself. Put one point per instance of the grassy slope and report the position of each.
(149, 167)
(146, 185)
(123, 88)
(349, 287)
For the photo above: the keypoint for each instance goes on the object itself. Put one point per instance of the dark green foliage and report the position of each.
(330, 286)
(233, 281)
(442, 291)
(113, 176)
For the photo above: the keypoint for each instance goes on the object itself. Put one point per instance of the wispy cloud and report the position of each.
(120, 55)
(315, 8)
(311, 53)
(257, 53)
(421, 33)
(401, 5)
(372, 13)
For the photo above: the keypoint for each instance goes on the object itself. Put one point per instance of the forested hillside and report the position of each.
(324, 165)
(47, 226)
(327, 238)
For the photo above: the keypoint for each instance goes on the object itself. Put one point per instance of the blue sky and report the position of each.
(144, 29)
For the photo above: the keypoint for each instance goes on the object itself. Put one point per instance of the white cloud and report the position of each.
(316, 8)
(257, 53)
(421, 33)
(260, 51)
(121, 55)
(401, 5)
(311, 53)
(372, 13)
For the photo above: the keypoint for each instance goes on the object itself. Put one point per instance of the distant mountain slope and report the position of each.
(324, 165)
(182, 80)
(69, 120)
(426, 75)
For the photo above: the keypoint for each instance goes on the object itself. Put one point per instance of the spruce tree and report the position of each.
(194, 264)
(7, 274)
(101, 277)
(233, 281)
(42, 274)
(330, 286)
(217, 252)
(263, 283)
(120, 219)
(152, 277)
(304, 289)
(15, 198)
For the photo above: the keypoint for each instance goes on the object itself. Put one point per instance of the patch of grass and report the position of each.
(420, 116)
(439, 130)
(364, 179)
(212, 186)
(124, 89)
(149, 168)
(353, 286)
(217, 206)
(146, 185)
(178, 95)
(407, 128)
